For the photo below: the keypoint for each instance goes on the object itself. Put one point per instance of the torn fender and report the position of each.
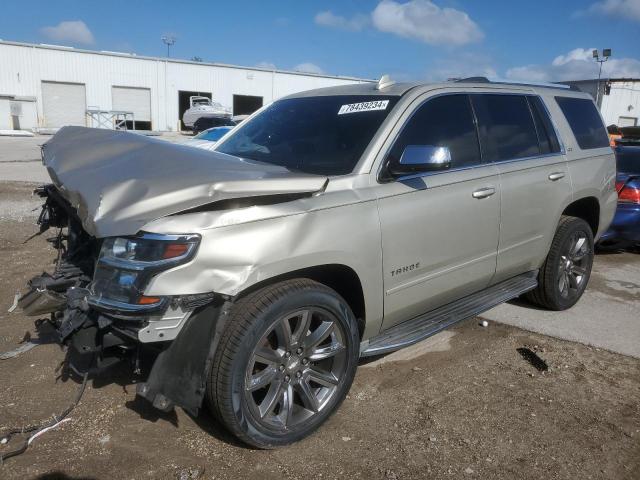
(179, 374)
(119, 181)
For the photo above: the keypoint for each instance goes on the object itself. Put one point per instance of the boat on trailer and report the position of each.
(203, 107)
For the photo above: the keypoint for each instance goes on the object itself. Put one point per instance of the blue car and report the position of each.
(624, 231)
(208, 138)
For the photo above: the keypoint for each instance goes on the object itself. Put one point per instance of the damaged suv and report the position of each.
(333, 224)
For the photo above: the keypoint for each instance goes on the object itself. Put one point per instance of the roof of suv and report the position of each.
(399, 89)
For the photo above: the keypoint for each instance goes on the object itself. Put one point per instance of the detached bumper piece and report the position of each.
(47, 292)
(90, 336)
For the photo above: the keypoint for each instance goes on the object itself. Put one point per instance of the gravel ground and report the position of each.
(464, 404)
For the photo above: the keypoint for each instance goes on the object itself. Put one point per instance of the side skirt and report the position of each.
(412, 331)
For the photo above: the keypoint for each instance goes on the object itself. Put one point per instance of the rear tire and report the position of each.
(284, 364)
(567, 268)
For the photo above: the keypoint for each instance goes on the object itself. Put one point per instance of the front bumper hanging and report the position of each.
(98, 338)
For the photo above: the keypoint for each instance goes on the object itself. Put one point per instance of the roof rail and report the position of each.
(473, 80)
(509, 82)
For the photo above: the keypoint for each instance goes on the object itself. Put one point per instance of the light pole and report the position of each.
(168, 40)
(606, 53)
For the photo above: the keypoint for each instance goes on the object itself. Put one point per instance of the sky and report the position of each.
(535, 40)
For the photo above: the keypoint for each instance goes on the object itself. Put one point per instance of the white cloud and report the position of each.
(308, 67)
(628, 9)
(353, 24)
(577, 64)
(577, 54)
(267, 65)
(425, 21)
(73, 31)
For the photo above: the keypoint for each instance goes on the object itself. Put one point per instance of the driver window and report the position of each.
(445, 121)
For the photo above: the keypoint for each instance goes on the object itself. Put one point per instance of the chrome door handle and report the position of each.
(556, 176)
(484, 192)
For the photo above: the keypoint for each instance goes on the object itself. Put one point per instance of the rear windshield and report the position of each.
(585, 122)
(319, 135)
(628, 160)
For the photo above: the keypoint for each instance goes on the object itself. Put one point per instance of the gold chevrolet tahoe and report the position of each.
(331, 225)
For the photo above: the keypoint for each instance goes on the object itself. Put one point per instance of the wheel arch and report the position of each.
(339, 277)
(586, 208)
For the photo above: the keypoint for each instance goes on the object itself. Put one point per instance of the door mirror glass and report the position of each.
(421, 158)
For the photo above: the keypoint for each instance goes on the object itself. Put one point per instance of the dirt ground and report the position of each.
(471, 408)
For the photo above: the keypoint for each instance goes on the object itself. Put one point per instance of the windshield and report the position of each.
(212, 135)
(319, 135)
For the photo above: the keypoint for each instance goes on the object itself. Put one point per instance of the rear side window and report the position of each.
(585, 122)
(628, 160)
(546, 133)
(505, 126)
(445, 121)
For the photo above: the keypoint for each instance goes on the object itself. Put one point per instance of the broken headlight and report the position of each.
(126, 264)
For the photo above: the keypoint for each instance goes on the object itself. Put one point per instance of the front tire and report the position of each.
(567, 268)
(284, 364)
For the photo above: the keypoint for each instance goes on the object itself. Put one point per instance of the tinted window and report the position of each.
(442, 122)
(505, 127)
(585, 122)
(546, 133)
(322, 135)
(628, 160)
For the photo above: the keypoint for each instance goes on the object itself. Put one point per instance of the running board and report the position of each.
(413, 331)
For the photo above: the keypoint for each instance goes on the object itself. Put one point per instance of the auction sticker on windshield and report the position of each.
(363, 107)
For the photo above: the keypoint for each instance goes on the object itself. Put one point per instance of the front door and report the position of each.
(439, 230)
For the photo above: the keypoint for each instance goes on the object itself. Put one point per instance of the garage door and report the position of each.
(136, 100)
(63, 104)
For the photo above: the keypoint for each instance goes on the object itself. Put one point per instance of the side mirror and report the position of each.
(421, 158)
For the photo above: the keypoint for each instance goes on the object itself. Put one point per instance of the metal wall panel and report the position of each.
(26, 66)
(63, 104)
(623, 101)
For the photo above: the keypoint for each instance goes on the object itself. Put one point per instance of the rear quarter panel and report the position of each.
(592, 172)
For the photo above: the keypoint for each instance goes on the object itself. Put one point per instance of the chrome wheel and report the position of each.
(573, 265)
(295, 368)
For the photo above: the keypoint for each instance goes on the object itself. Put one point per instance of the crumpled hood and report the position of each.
(119, 181)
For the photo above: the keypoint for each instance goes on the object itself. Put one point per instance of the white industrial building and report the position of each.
(48, 86)
(620, 103)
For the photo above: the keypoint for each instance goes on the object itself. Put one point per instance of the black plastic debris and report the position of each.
(533, 358)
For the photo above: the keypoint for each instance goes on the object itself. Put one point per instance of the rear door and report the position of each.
(517, 136)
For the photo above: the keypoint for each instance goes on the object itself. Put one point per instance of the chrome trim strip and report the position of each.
(481, 165)
(114, 305)
(186, 237)
(520, 244)
(438, 273)
(562, 151)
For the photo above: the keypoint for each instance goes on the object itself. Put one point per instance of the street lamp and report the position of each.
(168, 40)
(606, 53)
